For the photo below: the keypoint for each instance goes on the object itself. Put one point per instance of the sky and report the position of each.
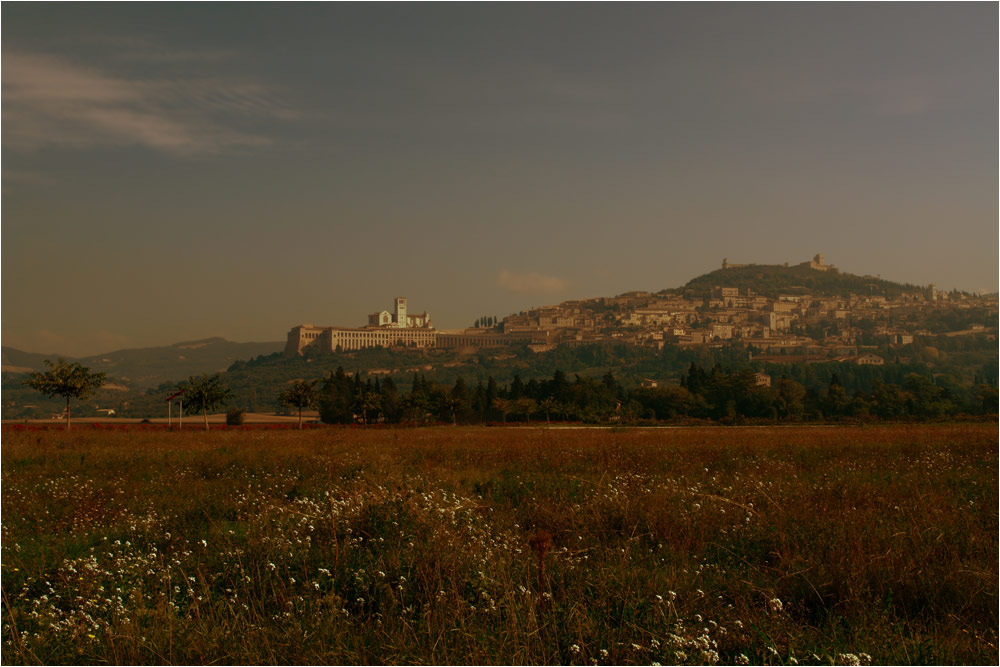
(178, 171)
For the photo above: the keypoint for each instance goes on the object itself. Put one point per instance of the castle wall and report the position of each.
(301, 337)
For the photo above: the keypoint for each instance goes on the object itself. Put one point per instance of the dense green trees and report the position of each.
(719, 394)
(601, 382)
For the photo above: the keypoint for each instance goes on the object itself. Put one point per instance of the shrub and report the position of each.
(235, 416)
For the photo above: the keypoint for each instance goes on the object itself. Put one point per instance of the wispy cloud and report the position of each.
(530, 283)
(51, 102)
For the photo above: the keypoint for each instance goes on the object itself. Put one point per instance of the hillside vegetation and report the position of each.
(772, 280)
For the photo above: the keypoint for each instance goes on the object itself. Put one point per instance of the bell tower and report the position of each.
(400, 311)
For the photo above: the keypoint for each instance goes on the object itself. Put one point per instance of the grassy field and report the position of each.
(486, 545)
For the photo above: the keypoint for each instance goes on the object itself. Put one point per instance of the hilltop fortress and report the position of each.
(816, 264)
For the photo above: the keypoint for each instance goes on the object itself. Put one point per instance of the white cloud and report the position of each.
(51, 102)
(530, 283)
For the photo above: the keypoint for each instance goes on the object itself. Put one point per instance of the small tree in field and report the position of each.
(300, 395)
(205, 393)
(547, 406)
(503, 405)
(65, 379)
(367, 403)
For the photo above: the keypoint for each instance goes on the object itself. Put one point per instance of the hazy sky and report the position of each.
(173, 172)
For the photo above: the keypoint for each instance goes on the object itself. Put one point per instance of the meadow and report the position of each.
(843, 545)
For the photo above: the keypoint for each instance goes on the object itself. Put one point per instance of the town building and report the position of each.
(385, 329)
(399, 318)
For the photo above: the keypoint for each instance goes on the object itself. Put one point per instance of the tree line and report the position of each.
(718, 394)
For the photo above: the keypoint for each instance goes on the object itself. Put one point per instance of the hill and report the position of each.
(770, 280)
(18, 361)
(151, 366)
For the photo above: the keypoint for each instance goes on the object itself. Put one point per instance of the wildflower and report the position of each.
(774, 605)
(672, 595)
(864, 657)
(681, 656)
(848, 659)
(741, 659)
(574, 649)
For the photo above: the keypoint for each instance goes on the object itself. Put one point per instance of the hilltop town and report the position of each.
(806, 321)
(835, 317)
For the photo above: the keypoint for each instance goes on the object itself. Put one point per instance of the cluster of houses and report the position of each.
(789, 328)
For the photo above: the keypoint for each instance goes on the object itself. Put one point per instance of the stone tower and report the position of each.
(400, 311)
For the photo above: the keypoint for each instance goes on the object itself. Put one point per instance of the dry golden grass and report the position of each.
(522, 546)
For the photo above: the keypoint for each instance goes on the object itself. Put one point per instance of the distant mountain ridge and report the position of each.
(150, 366)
